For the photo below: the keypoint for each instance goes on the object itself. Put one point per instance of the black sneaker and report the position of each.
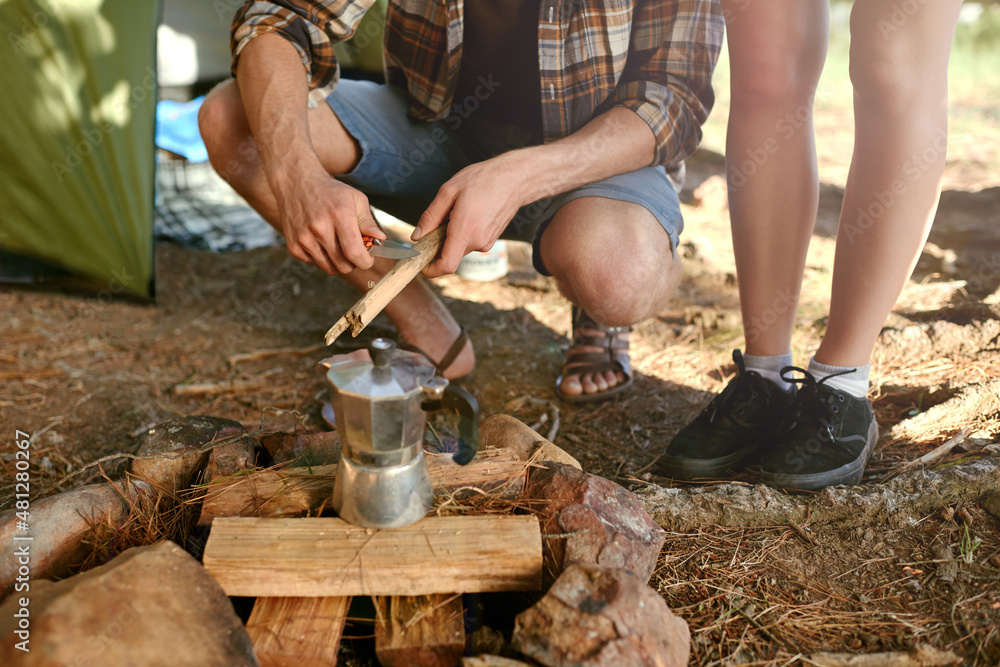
(729, 430)
(826, 441)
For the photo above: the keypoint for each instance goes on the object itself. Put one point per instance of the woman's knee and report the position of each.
(780, 66)
(900, 57)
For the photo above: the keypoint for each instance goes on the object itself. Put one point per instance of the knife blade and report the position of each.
(388, 249)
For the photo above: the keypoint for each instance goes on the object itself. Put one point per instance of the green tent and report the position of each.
(77, 114)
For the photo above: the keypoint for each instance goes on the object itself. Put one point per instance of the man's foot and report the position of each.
(597, 365)
(826, 441)
(734, 426)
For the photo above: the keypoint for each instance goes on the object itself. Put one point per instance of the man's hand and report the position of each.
(478, 202)
(323, 220)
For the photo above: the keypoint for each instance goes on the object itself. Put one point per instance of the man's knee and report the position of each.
(614, 294)
(222, 123)
(619, 273)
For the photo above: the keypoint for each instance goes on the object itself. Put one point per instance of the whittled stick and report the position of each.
(385, 290)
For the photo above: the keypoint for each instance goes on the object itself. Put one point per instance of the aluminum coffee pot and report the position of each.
(381, 410)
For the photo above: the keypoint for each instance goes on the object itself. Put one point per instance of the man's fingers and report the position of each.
(317, 257)
(352, 244)
(447, 263)
(367, 223)
(355, 252)
(436, 212)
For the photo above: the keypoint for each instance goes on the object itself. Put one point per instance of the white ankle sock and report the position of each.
(854, 383)
(770, 367)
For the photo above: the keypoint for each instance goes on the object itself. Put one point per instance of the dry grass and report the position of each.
(765, 596)
(150, 518)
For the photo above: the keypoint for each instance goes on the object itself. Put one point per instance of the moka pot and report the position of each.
(381, 410)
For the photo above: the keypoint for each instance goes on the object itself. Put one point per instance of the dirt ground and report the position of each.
(88, 377)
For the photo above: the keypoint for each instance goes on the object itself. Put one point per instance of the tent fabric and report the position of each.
(77, 118)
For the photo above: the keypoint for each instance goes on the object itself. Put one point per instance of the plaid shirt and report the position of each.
(652, 56)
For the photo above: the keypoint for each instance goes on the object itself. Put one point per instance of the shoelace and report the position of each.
(739, 393)
(816, 403)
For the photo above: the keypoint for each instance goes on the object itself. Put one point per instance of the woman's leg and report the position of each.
(777, 49)
(899, 67)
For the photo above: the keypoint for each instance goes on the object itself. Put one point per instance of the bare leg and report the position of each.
(899, 67)
(419, 315)
(619, 272)
(777, 49)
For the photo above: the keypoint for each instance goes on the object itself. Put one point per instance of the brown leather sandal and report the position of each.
(449, 357)
(614, 357)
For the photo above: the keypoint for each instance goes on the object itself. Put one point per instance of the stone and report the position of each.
(712, 195)
(488, 660)
(232, 458)
(601, 617)
(501, 431)
(175, 449)
(304, 449)
(992, 504)
(152, 605)
(590, 520)
(58, 527)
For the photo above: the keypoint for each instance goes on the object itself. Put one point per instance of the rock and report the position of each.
(593, 521)
(595, 616)
(992, 504)
(712, 195)
(486, 640)
(505, 432)
(58, 526)
(175, 448)
(231, 458)
(152, 605)
(305, 449)
(487, 660)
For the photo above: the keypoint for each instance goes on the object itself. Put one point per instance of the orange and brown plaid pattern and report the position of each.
(655, 57)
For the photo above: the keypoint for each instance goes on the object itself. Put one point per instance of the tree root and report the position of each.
(900, 501)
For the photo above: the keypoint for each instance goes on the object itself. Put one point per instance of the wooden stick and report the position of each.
(295, 491)
(238, 386)
(295, 632)
(931, 456)
(391, 284)
(274, 352)
(322, 557)
(419, 631)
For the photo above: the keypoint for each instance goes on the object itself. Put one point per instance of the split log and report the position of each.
(419, 631)
(391, 284)
(295, 491)
(505, 432)
(329, 557)
(900, 501)
(294, 632)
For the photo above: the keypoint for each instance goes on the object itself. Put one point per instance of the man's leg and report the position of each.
(422, 320)
(614, 260)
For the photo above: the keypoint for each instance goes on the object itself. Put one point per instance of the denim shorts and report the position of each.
(405, 161)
